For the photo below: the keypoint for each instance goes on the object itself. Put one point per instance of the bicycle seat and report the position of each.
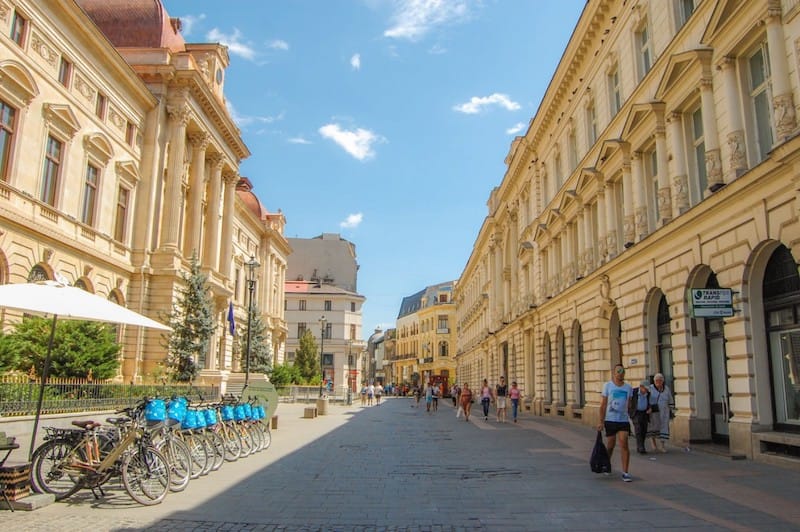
(86, 425)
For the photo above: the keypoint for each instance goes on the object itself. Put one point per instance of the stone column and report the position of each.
(680, 185)
(628, 225)
(227, 224)
(611, 221)
(197, 182)
(713, 160)
(211, 246)
(737, 157)
(782, 99)
(580, 264)
(588, 260)
(664, 195)
(639, 202)
(173, 202)
(602, 230)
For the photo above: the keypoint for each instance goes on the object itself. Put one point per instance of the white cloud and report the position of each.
(233, 42)
(298, 140)
(355, 61)
(357, 143)
(412, 19)
(519, 126)
(437, 49)
(188, 22)
(279, 44)
(352, 221)
(245, 120)
(477, 103)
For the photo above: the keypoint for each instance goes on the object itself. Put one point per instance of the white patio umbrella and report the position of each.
(63, 301)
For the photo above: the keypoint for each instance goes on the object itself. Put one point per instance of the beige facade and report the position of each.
(425, 337)
(663, 158)
(120, 161)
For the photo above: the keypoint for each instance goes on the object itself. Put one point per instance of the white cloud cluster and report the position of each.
(233, 42)
(355, 62)
(412, 19)
(519, 126)
(245, 120)
(188, 22)
(352, 221)
(298, 140)
(477, 103)
(357, 142)
(279, 44)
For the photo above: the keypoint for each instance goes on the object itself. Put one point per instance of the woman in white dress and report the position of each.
(660, 404)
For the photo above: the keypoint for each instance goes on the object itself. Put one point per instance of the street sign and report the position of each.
(711, 302)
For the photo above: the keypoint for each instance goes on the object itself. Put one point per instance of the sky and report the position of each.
(385, 121)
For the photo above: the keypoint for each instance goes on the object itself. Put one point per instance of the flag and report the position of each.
(231, 321)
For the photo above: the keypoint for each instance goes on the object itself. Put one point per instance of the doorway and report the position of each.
(718, 380)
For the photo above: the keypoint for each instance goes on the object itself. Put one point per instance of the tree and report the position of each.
(285, 374)
(79, 347)
(192, 322)
(306, 358)
(260, 346)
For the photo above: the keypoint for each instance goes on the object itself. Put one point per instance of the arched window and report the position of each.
(562, 367)
(665, 343)
(548, 385)
(38, 273)
(580, 392)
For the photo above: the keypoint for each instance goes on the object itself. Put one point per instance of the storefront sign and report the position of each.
(711, 302)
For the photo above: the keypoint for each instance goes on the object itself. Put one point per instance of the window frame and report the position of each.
(697, 159)
(644, 49)
(759, 119)
(19, 28)
(52, 169)
(7, 138)
(90, 194)
(120, 208)
(614, 91)
(65, 69)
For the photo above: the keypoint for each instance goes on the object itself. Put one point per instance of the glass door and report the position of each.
(718, 376)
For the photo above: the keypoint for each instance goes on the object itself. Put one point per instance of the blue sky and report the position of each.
(386, 121)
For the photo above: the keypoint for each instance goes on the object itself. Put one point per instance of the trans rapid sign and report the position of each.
(711, 302)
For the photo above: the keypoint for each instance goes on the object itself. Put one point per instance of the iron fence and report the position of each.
(19, 394)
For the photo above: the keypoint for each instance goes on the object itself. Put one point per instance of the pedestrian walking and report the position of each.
(465, 400)
(370, 394)
(514, 394)
(660, 409)
(614, 406)
(364, 395)
(501, 393)
(417, 394)
(640, 412)
(454, 391)
(378, 394)
(435, 391)
(428, 396)
(486, 399)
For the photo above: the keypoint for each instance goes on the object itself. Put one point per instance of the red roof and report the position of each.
(135, 23)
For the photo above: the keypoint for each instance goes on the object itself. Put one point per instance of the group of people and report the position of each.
(371, 392)
(648, 406)
(463, 398)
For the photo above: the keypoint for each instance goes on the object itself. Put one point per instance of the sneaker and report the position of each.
(626, 477)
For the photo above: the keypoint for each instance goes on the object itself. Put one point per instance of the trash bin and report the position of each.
(322, 406)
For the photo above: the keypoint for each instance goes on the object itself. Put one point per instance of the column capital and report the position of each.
(230, 178)
(200, 140)
(216, 160)
(179, 113)
(726, 63)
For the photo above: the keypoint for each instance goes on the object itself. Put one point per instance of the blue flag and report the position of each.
(231, 321)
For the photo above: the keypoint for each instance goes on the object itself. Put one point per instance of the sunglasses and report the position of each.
(620, 370)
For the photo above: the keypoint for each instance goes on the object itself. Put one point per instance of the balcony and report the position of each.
(443, 330)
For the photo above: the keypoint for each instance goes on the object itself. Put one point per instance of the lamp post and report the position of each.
(322, 321)
(251, 265)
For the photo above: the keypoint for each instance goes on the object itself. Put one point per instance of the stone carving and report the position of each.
(179, 113)
(714, 169)
(640, 220)
(629, 230)
(738, 159)
(115, 118)
(200, 140)
(47, 53)
(664, 204)
(785, 118)
(611, 243)
(84, 88)
(680, 191)
(4, 11)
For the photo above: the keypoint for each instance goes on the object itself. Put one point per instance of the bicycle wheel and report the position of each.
(256, 435)
(247, 440)
(267, 435)
(198, 452)
(52, 470)
(218, 443)
(180, 462)
(206, 441)
(233, 442)
(146, 475)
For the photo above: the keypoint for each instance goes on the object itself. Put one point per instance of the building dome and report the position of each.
(244, 189)
(135, 23)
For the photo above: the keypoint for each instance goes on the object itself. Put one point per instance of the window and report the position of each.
(52, 168)
(89, 195)
(572, 146)
(557, 171)
(130, 134)
(591, 124)
(699, 152)
(328, 305)
(301, 329)
(443, 325)
(644, 50)
(328, 330)
(19, 25)
(327, 359)
(352, 306)
(615, 98)
(301, 305)
(290, 357)
(64, 72)
(100, 105)
(7, 116)
(352, 331)
(444, 349)
(759, 73)
(685, 10)
(121, 220)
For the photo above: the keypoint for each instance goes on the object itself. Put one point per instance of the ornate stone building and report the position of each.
(663, 158)
(119, 161)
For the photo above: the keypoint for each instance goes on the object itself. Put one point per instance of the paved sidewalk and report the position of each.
(397, 467)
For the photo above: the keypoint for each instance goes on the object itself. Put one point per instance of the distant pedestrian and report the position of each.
(428, 397)
(378, 394)
(454, 391)
(501, 393)
(514, 394)
(660, 408)
(465, 400)
(370, 394)
(417, 394)
(614, 408)
(486, 399)
(364, 395)
(640, 412)
(435, 392)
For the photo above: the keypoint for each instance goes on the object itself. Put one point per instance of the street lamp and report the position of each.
(322, 321)
(251, 265)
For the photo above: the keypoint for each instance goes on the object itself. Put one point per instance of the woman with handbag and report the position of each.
(660, 407)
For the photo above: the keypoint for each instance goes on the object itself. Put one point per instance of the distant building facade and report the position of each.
(662, 160)
(322, 276)
(119, 161)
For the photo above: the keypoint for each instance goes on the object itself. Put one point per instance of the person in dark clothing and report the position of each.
(640, 406)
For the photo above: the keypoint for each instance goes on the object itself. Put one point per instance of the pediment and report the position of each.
(17, 84)
(128, 171)
(540, 232)
(61, 118)
(640, 114)
(678, 67)
(723, 12)
(568, 198)
(585, 178)
(99, 146)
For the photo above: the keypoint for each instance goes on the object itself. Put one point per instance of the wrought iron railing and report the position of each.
(19, 394)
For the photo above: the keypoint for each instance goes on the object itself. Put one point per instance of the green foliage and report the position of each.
(306, 358)
(285, 374)
(78, 348)
(260, 346)
(192, 322)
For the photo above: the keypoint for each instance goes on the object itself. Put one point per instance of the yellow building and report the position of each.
(425, 337)
(662, 161)
(119, 161)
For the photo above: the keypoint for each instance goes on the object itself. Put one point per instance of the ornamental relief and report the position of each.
(4, 11)
(84, 88)
(42, 48)
(115, 118)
